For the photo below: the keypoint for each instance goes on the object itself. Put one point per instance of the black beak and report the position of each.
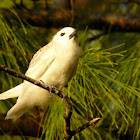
(73, 34)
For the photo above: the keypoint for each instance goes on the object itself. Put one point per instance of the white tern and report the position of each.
(54, 64)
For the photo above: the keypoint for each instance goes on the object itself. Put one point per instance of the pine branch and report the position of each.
(84, 126)
(67, 135)
(92, 122)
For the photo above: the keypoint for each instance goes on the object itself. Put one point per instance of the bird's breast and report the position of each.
(59, 72)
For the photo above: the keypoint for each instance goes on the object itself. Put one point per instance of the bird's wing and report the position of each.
(41, 61)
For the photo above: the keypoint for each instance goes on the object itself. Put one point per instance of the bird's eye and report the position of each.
(62, 34)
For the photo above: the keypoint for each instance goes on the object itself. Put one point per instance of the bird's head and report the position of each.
(65, 36)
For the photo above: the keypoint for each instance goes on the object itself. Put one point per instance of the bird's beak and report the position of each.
(74, 33)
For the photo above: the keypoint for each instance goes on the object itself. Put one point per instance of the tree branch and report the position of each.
(84, 126)
(78, 130)
(35, 82)
(67, 117)
(61, 18)
(67, 135)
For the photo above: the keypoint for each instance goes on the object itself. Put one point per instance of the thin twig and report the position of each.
(84, 126)
(72, 12)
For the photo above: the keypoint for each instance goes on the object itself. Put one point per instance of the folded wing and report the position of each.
(41, 61)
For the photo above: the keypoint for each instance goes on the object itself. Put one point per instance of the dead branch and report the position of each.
(67, 135)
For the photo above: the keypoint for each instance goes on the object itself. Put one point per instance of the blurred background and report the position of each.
(106, 83)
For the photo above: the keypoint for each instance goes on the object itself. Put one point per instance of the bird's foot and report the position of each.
(50, 88)
(63, 95)
(58, 91)
(50, 91)
(41, 81)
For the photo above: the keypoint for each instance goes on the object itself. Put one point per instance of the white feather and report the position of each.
(54, 64)
(14, 92)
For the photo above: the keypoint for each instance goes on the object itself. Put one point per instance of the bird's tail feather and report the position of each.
(16, 111)
(14, 92)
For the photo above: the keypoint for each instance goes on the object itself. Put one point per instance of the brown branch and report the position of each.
(84, 126)
(127, 2)
(135, 1)
(35, 82)
(67, 116)
(67, 135)
(61, 18)
(72, 12)
(78, 130)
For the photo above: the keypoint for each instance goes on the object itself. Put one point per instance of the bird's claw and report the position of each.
(41, 81)
(63, 95)
(50, 88)
(50, 91)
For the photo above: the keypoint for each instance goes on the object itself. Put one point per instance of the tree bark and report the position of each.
(60, 18)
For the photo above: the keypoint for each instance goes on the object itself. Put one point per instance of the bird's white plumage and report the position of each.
(41, 61)
(14, 92)
(54, 64)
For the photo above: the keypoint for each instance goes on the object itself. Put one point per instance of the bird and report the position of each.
(54, 64)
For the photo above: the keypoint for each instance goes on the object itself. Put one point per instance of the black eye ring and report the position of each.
(62, 34)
